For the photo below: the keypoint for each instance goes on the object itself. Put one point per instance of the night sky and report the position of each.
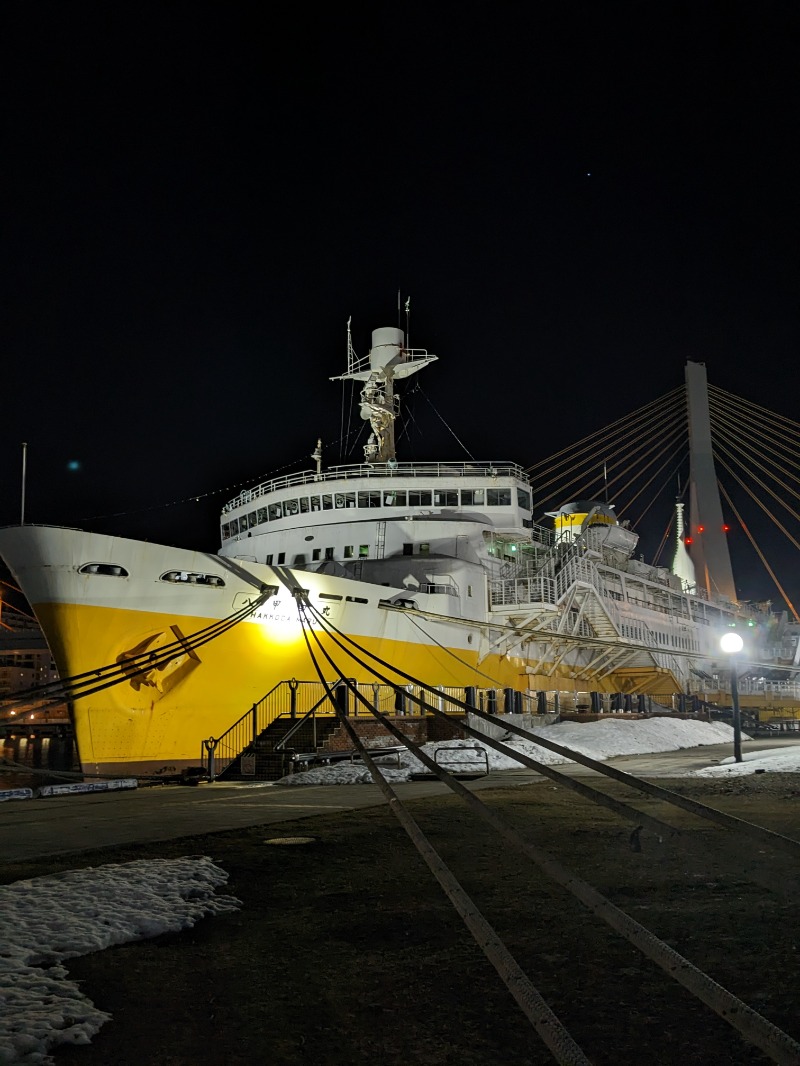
(577, 197)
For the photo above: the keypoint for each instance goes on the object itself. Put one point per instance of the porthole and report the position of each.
(186, 577)
(107, 569)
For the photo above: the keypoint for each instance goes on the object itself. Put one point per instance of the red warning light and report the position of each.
(725, 529)
(701, 529)
(688, 540)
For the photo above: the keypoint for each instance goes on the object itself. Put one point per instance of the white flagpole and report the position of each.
(24, 458)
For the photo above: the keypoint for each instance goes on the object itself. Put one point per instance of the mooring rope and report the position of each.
(552, 1032)
(781, 1047)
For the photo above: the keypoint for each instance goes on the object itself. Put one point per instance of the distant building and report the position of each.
(25, 663)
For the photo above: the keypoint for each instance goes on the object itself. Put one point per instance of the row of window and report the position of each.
(318, 554)
(348, 552)
(634, 632)
(403, 498)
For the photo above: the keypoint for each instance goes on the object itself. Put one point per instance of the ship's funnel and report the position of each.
(574, 518)
(387, 343)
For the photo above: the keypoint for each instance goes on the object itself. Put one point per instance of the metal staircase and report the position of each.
(565, 597)
(269, 757)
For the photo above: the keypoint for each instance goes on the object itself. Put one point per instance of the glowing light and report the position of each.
(701, 529)
(731, 643)
(725, 529)
(73, 465)
(688, 540)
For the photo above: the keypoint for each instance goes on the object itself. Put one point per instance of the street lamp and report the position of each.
(731, 644)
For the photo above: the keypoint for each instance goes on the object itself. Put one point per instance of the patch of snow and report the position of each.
(600, 740)
(46, 920)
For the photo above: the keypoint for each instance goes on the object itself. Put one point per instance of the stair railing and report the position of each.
(310, 713)
(217, 753)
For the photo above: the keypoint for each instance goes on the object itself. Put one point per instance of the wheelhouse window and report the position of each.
(315, 503)
(419, 497)
(328, 554)
(369, 499)
(290, 507)
(304, 507)
(523, 499)
(348, 551)
(472, 497)
(263, 515)
(395, 499)
(446, 498)
(327, 502)
(226, 531)
(345, 499)
(252, 520)
(275, 511)
(498, 497)
(234, 527)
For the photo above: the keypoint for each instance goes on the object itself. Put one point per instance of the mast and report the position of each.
(389, 359)
(24, 479)
(709, 545)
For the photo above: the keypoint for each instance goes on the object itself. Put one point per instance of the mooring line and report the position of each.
(711, 814)
(776, 1043)
(552, 1032)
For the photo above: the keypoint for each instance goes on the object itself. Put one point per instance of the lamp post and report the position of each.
(731, 644)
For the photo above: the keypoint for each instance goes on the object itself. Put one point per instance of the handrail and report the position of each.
(248, 712)
(291, 732)
(365, 472)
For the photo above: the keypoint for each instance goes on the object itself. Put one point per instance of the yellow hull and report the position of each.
(158, 724)
(103, 602)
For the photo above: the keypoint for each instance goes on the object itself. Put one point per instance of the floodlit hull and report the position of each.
(103, 601)
(156, 723)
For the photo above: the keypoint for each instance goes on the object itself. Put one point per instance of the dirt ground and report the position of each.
(347, 952)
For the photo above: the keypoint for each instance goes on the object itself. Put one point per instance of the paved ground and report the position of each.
(36, 828)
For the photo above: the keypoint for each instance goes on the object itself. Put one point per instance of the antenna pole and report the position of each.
(408, 323)
(24, 464)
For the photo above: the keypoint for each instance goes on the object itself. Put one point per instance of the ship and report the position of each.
(440, 570)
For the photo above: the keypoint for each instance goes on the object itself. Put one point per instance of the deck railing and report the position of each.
(362, 472)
